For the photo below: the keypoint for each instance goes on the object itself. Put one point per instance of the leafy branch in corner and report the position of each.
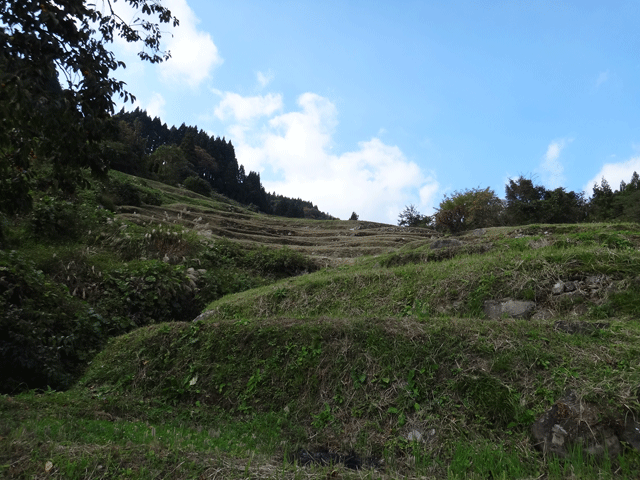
(47, 127)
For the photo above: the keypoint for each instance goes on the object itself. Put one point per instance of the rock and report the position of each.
(417, 436)
(570, 423)
(594, 281)
(493, 309)
(580, 310)
(543, 314)
(561, 287)
(569, 298)
(510, 308)
(558, 288)
(445, 242)
(558, 435)
(204, 316)
(543, 242)
(518, 308)
(478, 232)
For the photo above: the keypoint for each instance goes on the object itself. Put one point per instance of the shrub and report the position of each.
(148, 292)
(59, 218)
(53, 218)
(46, 335)
(152, 198)
(15, 189)
(279, 263)
(472, 208)
(126, 194)
(197, 185)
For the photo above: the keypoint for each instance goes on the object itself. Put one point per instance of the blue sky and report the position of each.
(369, 106)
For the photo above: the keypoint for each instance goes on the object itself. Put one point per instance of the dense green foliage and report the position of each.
(529, 203)
(470, 209)
(44, 123)
(622, 204)
(46, 335)
(526, 203)
(72, 275)
(51, 133)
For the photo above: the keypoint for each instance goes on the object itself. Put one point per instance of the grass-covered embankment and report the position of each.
(355, 338)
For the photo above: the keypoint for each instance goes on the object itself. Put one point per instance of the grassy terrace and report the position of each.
(353, 340)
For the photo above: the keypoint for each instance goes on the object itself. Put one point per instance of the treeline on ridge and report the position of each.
(148, 148)
(526, 203)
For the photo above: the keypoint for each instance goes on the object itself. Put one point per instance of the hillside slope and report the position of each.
(329, 345)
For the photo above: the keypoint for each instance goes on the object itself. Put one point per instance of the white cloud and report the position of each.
(155, 107)
(242, 109)
(264, 78)
(550, 169)
(375, 180)
(614, 173)
(193, 53)
(428, 194)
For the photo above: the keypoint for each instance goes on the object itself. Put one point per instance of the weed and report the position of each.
(480, 294)
(323, 419)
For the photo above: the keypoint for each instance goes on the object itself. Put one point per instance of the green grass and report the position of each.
(364, 384)
(457, 286)
(315, 338)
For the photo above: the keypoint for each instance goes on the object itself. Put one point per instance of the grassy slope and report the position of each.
(386, 339)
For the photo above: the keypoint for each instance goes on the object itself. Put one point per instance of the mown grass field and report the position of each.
(352, 339)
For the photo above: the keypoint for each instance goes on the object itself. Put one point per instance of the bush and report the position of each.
(126, 194)
(279, 263)
(197, 185)
(15, 190)
(143, 293)
(152, 198)
(46, 335)
(57, 218)
(3, 225)
(54, 218)
(469, 209)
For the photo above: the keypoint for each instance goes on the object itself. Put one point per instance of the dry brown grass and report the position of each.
(331, 242)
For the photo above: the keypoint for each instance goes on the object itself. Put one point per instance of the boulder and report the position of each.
(417, 436)
(558, 288)
(445, 242)
(543, 314)
(496, 309)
